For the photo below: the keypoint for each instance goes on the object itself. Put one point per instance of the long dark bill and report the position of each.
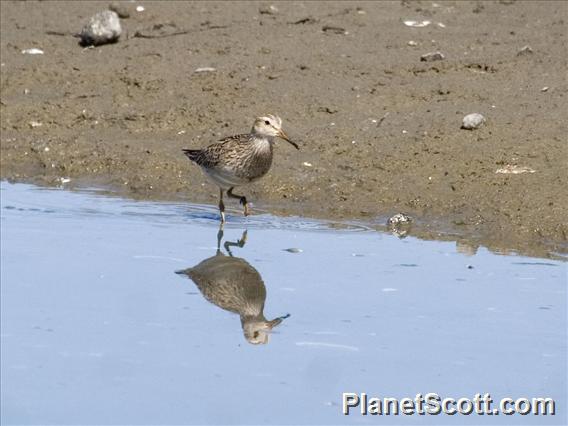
(287, 139)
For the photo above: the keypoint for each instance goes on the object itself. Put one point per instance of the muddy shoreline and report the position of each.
(379, 128)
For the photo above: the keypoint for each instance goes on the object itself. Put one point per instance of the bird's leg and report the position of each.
(221, 207)
(219, 238)
(240, 243)
(242, 199)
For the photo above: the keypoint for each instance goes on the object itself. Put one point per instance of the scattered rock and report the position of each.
(120, 9)
(205, 69)
(412, 43)
(308, 20)
(544, 89)
(268, 10)
(140, 8)
(515, 170)
(103, 27)
(417, 24)
(399, 219)
(327, 109)
(334, 30)
(526, 50)
(399, 224)
(432, 56)
(32, 51)
(34, 124)
(472, 121)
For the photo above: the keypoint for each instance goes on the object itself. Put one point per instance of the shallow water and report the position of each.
(98, 328)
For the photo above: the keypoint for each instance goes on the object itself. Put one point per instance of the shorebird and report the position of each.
(232, 284)
(240, 159)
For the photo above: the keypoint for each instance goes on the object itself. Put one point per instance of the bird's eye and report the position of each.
(267, 123)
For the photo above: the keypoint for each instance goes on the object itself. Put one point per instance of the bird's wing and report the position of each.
(235, 139)
(214, 154)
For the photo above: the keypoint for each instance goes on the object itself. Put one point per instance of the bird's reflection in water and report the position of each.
(234, 285)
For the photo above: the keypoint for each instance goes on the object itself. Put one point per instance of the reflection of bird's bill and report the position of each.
(287, 139)
(277, 321)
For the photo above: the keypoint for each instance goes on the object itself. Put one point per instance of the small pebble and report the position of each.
(399, 225)
(417, 24)
(32, 51)
(140, 8)
(472, 121)
(526, 50)
(34, 124)
(205, 69)
(334, 30)
(412, 43)
(544, 89)
(398, 219)
(103, 27)
(510, 169)
(268, 10)
(432, 56)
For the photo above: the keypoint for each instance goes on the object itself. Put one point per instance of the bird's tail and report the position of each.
(192, 154)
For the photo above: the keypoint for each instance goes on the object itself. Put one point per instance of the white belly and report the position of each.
(224, 179)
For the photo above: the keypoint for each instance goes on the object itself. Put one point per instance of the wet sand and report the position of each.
(379, 129)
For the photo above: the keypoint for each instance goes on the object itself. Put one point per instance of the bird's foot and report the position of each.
(244, 203)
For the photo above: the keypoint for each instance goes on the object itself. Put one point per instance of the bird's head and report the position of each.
(271, 126)
(257, 329)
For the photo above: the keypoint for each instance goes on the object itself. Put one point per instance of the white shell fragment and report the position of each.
(472, 121)
(515, 170)
(140, 8)
(205, 69)
(432, 56)
(103, 27)
(417, 24)
(32, 51)
(525, 50)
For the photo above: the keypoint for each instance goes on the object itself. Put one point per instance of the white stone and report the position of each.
(103, 27)
(472, 121)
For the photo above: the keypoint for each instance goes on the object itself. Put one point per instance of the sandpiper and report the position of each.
(234, 285)
(240, 159)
